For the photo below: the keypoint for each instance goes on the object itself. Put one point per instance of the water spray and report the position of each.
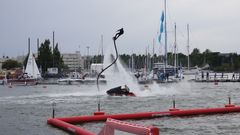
(117, 35)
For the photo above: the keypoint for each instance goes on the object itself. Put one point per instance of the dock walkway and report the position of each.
(217, 77)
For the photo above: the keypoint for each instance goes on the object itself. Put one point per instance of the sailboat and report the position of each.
(30, 76)
(177, 69)
(145, 78)
(193, 70)
(166, 73)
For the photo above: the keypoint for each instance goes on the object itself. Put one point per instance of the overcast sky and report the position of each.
(214, 24)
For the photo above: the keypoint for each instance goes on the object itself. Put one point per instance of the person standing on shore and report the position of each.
(233, 76)
(207, 76)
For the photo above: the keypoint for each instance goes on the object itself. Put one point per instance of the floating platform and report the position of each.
(219, 80)
(217, 77)
(66, 123)
(80, 81)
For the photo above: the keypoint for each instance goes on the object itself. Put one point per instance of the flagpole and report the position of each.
(188, 46)
(165, 26)
(175, 48)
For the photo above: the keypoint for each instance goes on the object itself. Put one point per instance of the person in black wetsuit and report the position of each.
(119, 33)
(233, 76)
(202, 75)
(207, 76)
(167, 76)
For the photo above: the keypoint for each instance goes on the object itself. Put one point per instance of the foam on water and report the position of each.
(155, 90)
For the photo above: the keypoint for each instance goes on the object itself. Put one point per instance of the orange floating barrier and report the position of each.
(69, 127)
(144, 115)
(64, 123)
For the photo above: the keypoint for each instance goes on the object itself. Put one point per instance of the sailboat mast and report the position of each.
(165, 28)
(153, 58)
(28, 46)
(37, 46)
(188, 45)
(53, 48)
(102, 50)
(132, 63)
(146, 61)
(175, 47)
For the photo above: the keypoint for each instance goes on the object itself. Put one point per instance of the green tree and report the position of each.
(182, 59)
(195, 51)
(45, 56)
(196, 58)
(11, 64)
(217, 61)
(58, 61)
(97, 59)
(205, 56)
(125, 58)
(213, 59)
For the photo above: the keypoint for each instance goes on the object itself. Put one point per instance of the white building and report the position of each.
(74, 61)
(96, 67)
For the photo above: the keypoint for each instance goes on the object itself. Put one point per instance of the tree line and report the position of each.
(217, 61)
(48, 57)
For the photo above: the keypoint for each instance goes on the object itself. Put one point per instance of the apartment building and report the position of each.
(74, 61)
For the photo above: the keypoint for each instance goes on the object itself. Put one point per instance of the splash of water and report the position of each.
(117, 75)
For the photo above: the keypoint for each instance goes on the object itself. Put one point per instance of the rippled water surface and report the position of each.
(25, 110)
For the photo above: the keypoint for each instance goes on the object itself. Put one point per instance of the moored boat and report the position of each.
(30, 76)
(76, 78)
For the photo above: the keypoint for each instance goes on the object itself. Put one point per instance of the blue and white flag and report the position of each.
(161, 27)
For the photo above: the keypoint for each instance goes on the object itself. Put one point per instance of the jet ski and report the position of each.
(120, 91)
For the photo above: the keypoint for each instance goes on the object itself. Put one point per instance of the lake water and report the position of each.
(25, 110)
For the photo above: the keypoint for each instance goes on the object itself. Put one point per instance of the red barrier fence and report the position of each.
(63, 123)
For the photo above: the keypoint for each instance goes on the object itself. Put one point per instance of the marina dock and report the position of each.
(217, 77)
